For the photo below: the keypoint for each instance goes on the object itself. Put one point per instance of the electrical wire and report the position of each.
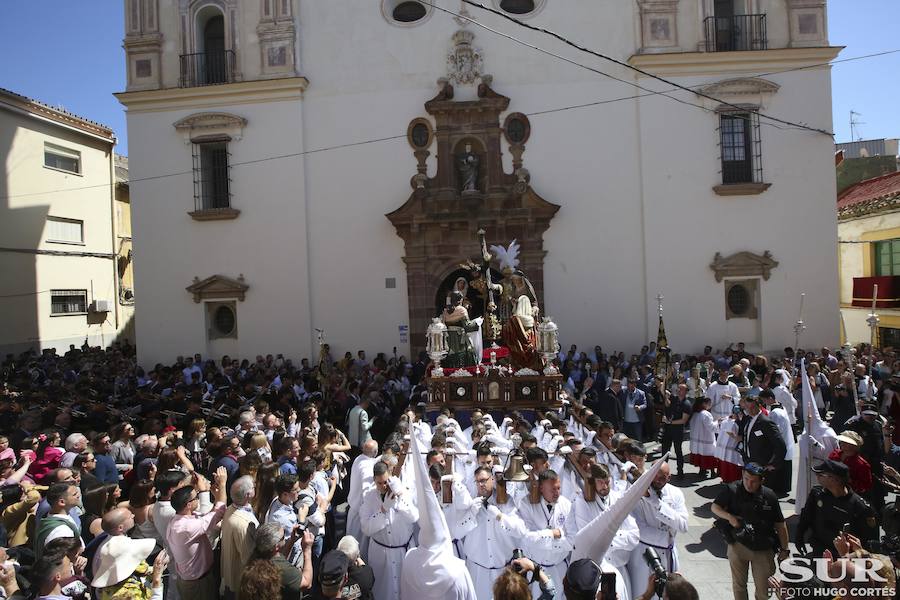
(789, 124)
(530, 114)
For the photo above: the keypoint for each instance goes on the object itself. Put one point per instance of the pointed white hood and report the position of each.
(431, 571)
(594, 538)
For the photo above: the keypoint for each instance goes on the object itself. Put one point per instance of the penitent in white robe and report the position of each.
(540, 545)
(390, 536)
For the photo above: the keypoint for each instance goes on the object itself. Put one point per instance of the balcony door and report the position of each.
(214, 50)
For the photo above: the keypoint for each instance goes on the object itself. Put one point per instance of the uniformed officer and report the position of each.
(868, 425)
(830, 507)
(748, 502)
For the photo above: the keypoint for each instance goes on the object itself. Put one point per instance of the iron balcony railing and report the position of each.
(740, 32)
(207, 68)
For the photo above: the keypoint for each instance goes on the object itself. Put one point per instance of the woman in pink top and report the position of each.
(48, 455)
(5, 451)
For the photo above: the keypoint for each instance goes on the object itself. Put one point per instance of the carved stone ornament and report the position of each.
(743, 86)
(218, 287)
(207, 124)
(743, 264)
(465, 63)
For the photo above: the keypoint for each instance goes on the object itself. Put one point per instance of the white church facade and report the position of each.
(295, 166)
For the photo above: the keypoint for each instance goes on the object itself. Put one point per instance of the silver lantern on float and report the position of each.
(437, 344)
(548, 344)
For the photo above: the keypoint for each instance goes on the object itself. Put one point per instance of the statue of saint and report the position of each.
(519, 337)
(456, 318)
(467, 163)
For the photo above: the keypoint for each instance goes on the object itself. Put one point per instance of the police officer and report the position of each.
(676, 412)
(831, 506)
(868, 425)
(755, 531)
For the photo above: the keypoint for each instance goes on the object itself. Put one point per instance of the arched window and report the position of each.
(212, 62)
(409, 12)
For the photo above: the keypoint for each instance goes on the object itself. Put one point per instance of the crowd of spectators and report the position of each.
(224, 474)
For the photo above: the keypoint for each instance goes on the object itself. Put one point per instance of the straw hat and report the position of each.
(118, 557)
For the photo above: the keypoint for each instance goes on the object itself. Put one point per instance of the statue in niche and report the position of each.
(467, 163)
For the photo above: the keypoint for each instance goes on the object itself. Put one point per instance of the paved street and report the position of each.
(702, 549)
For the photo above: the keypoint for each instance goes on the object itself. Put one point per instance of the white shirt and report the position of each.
(784, 397)
(724, 396)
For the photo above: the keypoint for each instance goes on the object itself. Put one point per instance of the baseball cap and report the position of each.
(833, 467)
(582, 580)
(755, 468)
(332, 569)
(851, 437)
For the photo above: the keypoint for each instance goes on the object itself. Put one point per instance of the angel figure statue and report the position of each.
(515, 283)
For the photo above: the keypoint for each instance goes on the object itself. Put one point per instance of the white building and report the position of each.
(58, 229)
(269, 139)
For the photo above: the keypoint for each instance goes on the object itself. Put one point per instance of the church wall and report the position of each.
(266, 242)
(687, 223)
(634, 181)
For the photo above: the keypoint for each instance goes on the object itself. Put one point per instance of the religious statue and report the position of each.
(461, 285)
(518, 335)
(514, 284)
(467, 163)
(456, 318)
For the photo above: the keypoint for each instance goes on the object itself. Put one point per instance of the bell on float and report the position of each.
(515, 470)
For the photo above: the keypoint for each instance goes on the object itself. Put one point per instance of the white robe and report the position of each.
(460, 516)
(361, 479)
(626, 540)
(490, 545)
(703, 434)
(659, 518)
(391, 535)
(726, 446)
(785, 398)
(722, 405)
(540, 545)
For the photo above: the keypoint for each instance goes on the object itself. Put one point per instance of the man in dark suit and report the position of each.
(608, 406)
(763, 444)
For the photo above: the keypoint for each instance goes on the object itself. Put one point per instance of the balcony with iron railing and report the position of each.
(207, 68)
(736, 33)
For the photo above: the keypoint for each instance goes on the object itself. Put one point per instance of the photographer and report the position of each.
(754, 528)
(677, 588)
(514, 583)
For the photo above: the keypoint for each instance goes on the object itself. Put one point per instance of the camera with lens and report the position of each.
(660, 575)
(517, 554)
(745, 534)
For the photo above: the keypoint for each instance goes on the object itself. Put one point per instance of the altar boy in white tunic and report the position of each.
(584, 511)
(546, 542)
(388, 516)
(660, 515)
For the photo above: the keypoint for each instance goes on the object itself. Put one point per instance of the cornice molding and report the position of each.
(743, 264)
(741, 86)
(218, 287)
(228, 94)
(709, 63)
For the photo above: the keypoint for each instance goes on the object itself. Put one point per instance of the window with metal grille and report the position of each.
(887, 258)
(68, 302)
(211, 175)
(741, 147)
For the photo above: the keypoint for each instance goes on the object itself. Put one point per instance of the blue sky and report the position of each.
(69, 53)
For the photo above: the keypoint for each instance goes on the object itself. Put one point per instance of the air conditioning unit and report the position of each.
(100, 306)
